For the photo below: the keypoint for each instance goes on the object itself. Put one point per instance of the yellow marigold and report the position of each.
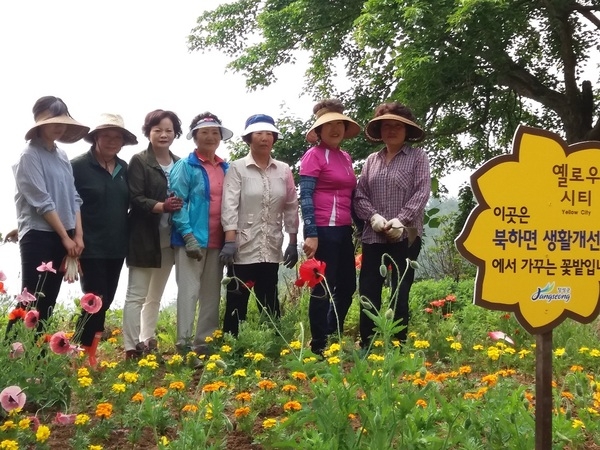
(396, 343)
(524, 353)
(289, 388)
(146, 362)
(295, 345)
(175, 359)
(510, 350)
(208, 414)
(422, 403)
(592, 411)
(478, 347)
(269, 423)
(584, 349)
(559, 352)
(104, 410)
(285, 351)
(244, 396)
(85, 381)
(226, 349)
(375, 358)
(189, 408)
(208, 339)
(494, 353)
(266, 385)
(595, 353)
(177, 385)
(421, 344)
(241, 412)
(81, 419)
(8, 425)
(456, 346)
(257, 373)
(24, 424)
(299, 376)
(108, 364)
(159, 392)
(164, 440)
(333, 360)
(42, 434)
(95, 447)
(138, 398)
(217, 334)
(449, 339)
(9, 444)
(119, 388)
(239, 373)
(128, 377)
(116, 332)
(211, 366)
(419, 382)
(578, 424)
(412, 334)
(83, 372)
(309, 359)
(214, 357)
(352, 416)
(258, 357)
(292, 406)
(112, 340)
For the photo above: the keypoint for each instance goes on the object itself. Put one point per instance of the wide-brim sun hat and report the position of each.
(324, 116)
(111, 121)
(75, 131)
(205, 122)
(261, 122)
(414, 133)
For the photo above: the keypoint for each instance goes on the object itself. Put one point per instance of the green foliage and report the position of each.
(472, 71)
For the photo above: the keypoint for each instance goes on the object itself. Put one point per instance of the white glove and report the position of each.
(378, 223)
(394, 229)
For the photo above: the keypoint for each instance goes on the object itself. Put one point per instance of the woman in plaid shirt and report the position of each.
(391, 195)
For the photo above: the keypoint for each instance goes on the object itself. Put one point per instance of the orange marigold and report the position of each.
(159, 392)
(241, 412)
(267, 385)
(104, 410)
(244, 396)
(292, 406)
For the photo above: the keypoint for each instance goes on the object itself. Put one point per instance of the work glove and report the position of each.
(290, 257)
(227, 252)
(192, 248)
(172, 204)
(394, 229)
(378, 223)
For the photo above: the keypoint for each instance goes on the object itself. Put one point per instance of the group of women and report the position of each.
(201, 213)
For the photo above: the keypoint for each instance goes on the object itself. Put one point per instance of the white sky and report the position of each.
(127, 57)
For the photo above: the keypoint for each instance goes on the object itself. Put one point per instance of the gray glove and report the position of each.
(290, 257)
(227, 252)
(192, 248)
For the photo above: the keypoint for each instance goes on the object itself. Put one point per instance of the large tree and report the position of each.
(471, 70)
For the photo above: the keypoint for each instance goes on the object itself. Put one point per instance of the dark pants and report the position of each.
(263, 278)
(371, 282)
(100, 277)
(336, 249)
(37, 247)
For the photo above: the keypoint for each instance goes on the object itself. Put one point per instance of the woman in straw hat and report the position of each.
(49, 221)
(392, 192)
(150, 256)
(259, 201)
(101, 181)
(327, 183)
(198, 235)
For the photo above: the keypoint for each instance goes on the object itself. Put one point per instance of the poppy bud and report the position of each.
(225, 281)
(414, 264)
(389, 314)
(382, 270)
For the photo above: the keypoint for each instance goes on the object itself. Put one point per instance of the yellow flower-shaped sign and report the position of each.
(535, 233)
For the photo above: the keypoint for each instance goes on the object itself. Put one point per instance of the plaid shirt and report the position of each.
(398, 189)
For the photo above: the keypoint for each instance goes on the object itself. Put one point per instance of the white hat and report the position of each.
(261, 122)
(205, 122)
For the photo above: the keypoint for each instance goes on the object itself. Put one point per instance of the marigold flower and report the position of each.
(292, 406)
(42, 434)
(137, 397)
(241, 412)
(289, 388)
(266, 385)
(217, 334)
(208, 339)
(295, 345)
(211, 366)
(119, 388)
(422, 403)
(95, 447)
(559, 352)
(159, 392)
(225, 348)
(576, 368)
(567, 395)
(244, 396)
(175, 359)
(269, 423)
(25, 423)
(421, 344)
(258, 357)
(83, 372)
(299, 376)
(239, 373)
(456, 346)
(85, 381)
(9, 444)
(464, 370)
(491, 380)
(8, 425)
(128, 377)
(189, 408)
(284, 352)
(333, 360)
(104, 410)
(82, 419)
(375, 358)
(578, 424)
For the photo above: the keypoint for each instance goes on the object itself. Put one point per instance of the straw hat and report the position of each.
(324, 115)
(226, 133)
(75, 130)
(260, 122)
(414, 132)
(108, 121)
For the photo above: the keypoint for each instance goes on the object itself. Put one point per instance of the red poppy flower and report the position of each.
(312, 272)
(17, 313)
(438, 303)
(451, 298)
(249, 284)
(32, 318)
(25, 298)
(2, 290)
(91, 303)
(428, 310)
(358, 261)
(12, 397)
(65, 419)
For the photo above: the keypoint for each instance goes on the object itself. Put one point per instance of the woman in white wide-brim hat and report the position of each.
(327, 183)
(392, 192)
(49, 222)
(101, 180)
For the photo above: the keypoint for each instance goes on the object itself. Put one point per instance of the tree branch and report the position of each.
(586, 11)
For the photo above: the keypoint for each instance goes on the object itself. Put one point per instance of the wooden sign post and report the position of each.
(535, 239)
